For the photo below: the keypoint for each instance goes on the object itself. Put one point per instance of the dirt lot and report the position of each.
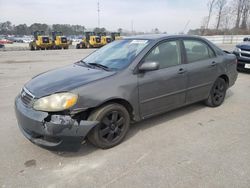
(195, 146)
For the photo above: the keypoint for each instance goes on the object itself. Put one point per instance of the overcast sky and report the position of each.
(166, 15)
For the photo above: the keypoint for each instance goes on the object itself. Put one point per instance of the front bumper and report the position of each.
(242, 61)
(49, 130)
(63, 45)
(97, 45)
(45, 45)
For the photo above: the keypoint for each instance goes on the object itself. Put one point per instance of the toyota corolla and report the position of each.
(98, 97)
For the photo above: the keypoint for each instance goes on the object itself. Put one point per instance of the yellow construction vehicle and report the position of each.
(59, 41)
(90, 40)
(115, 36)
(40, 42)
(104, 38)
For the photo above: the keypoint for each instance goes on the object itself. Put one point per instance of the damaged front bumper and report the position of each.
(49, 130)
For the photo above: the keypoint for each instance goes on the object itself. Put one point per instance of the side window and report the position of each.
(197, 51)
(167, 54)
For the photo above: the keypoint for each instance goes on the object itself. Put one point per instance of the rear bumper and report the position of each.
(49, 130)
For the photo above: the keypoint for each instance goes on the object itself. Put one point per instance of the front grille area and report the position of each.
(26, 97)
(63, 40)
(98, 40)
(108, 40)
(243, 54)
(45, 39)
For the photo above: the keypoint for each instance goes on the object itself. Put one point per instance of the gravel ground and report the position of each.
(195, 146)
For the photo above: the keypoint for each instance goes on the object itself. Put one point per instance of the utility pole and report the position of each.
(98, 13)
(132, 26)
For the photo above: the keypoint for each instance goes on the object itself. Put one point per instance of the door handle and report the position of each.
(213, 64)
(181, 71)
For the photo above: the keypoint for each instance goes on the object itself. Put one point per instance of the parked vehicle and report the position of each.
(41, 41)
(115, 36)
(246, 39)
(90, 40)
(105, 39)
(27, 39)
(2, 46)
(59, 41)
(242, 52)
(126, 81)
(5, 41)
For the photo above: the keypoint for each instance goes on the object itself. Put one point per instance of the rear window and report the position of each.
(197, 51)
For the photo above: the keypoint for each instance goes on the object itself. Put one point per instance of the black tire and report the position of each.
(78, 46)
(114, 124)
(89, 45)
(32, 48)
(217, 93)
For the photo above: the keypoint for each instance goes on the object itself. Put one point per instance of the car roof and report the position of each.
(160, 37)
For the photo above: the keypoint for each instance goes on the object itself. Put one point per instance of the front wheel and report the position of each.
(89, 45)
(114, 121)
(32, 48)
(217, 93)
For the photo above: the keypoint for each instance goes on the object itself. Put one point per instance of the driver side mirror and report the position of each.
(149, 66)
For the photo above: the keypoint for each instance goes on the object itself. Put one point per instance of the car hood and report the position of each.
(244, 46)
(64, 79)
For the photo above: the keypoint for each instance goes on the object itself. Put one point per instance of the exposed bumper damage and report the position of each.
(49, 130)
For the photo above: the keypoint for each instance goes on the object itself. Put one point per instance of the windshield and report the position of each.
(118, 54)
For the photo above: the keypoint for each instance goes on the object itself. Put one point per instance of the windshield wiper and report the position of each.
(83, 62)
(100, 66)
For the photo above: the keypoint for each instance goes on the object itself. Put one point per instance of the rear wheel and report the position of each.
(217, 93)
(114, 124)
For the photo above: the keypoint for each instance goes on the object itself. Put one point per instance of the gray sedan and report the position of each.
(123, 82)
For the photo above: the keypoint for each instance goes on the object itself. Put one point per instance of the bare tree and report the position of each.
(227, 20)
(239, 6)
(245, 14)
(220, 5)
(210, 5)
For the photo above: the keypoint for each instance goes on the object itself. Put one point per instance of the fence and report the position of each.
(226, 39)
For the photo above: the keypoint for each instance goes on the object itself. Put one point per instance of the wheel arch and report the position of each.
(122, 102)
(225, 77)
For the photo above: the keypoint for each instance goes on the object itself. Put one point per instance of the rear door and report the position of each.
(163, 89)
(201, 67)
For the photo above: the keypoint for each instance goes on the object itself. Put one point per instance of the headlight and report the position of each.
(55, 102)
(236, 49)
